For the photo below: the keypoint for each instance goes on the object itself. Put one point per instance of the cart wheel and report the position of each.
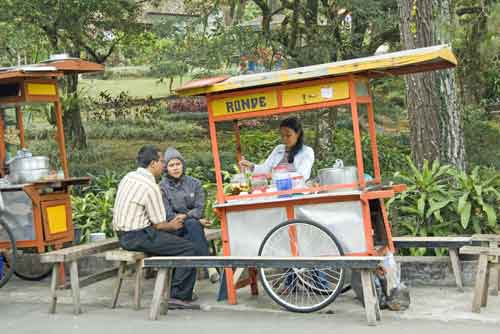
(29, 268)
(8, 253)
(301, 290)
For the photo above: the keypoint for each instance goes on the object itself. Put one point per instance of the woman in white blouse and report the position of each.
(293, 154)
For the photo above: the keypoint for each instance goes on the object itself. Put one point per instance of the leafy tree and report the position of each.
(92, 27)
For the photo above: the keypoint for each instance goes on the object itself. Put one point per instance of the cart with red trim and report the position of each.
(341, 219)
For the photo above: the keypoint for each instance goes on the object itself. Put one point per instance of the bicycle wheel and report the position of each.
(301, 290)
(8, 253)
(29, 268)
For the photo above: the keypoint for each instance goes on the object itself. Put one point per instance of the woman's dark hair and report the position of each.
(294, 124)
(147, 154)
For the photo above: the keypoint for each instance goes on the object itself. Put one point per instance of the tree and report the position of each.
(92, 27)
(433, 107)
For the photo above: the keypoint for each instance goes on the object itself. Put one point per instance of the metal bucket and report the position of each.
(338, 175)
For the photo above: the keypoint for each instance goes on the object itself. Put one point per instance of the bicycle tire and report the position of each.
(325, 298)
(9, 262)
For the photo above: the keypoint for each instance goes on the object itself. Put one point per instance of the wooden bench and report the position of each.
(492, 241)
(451, 243)
(484, 267)
(128, 258)
(165, 265)
(71, 255)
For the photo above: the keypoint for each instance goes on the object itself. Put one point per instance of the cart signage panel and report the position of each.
(48, 89)
(316, 93)
(244, 103)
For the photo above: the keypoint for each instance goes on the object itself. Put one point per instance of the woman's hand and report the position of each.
(246, 164)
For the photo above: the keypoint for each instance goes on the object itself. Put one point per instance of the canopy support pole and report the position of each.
(20, 125)
(60, 137)
(357, 132)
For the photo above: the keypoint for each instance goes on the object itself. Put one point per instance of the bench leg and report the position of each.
(166, 291)
(484, 299)
(371, 302)
(53, 288)
(118, 284)
(254, 288)
(138, 285)
(75, 287)
(481, 283)
(455, 266)
(158, 294)
(494, 281)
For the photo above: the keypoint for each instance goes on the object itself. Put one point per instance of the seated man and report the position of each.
(139, 220)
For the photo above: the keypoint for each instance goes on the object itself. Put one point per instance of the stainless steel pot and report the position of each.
(28, 169)
(338, 175)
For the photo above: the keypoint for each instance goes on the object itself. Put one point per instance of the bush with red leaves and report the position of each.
(187, 104)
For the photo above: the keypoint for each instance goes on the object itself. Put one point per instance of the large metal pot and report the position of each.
(28, 169)
(338, 174)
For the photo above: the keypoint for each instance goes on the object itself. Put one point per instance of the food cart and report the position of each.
(303, 222)
(35, 206)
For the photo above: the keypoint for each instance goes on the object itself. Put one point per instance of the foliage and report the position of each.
(482, 140)
(93, 213)
(478, 198)
(440, 200)
(187, 104)
(157, 131)
(425, 199)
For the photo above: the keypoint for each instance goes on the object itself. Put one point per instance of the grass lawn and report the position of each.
(135, 87)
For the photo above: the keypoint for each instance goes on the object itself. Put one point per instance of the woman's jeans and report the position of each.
(154, 242)
(194, 232)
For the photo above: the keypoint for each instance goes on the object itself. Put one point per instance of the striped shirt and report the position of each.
(138, 202)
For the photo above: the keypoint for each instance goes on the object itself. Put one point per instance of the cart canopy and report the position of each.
(395, 63)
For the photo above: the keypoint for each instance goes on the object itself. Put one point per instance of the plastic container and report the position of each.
(1, 267)
(297, 181)
(93, 237)
(259, 182)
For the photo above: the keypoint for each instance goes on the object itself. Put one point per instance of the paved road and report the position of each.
(25, 318)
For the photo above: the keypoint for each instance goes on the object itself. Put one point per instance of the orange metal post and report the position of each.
(231, 290)
(215, 153)
(357, 133)
(237, 139)
(373, 142)
(20, 125)
(367, 222)
(60, 137)
(387, 226)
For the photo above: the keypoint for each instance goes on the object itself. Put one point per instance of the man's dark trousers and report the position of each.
(155, 242)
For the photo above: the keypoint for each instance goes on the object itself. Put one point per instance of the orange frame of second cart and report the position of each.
(306, 89)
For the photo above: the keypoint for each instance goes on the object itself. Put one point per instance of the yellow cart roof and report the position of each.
(394, 63)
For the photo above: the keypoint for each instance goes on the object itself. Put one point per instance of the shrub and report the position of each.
(93, 213)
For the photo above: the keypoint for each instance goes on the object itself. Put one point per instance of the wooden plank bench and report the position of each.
(492, 241)
(165, 265)
(484, 268)
(71, 255)
(451, 243)
(127, 258)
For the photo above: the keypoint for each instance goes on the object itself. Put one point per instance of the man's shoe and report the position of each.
(177, 304)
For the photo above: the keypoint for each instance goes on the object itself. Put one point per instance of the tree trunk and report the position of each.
(451, 111)
(72, 119)
(420, 88)
(434, 111)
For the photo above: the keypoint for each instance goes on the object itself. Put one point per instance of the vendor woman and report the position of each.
(293, 154)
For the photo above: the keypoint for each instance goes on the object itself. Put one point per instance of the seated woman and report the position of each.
(184, 197)
(293, 154)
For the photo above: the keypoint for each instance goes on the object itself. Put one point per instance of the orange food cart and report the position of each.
(38, 213)
(355, 212)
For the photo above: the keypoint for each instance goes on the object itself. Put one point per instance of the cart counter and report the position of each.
(344, 213)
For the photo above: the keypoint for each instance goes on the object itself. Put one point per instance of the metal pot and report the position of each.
(28, 169)
(338, 174)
